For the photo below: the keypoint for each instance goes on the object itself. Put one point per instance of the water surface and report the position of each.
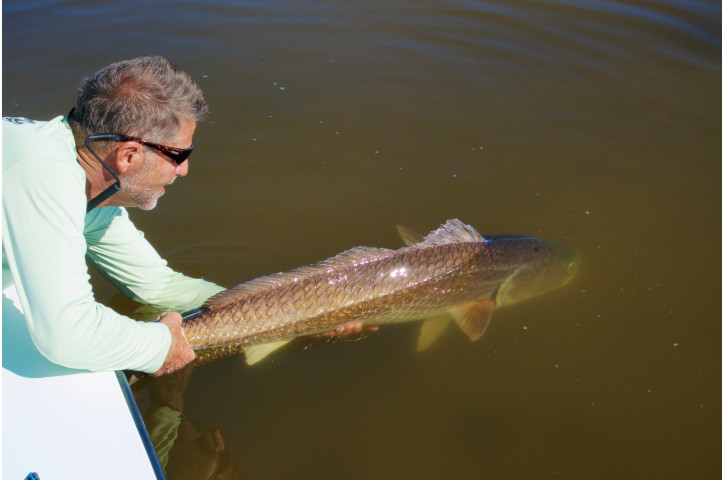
(593, 123)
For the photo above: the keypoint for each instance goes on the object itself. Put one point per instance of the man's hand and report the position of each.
(347, 329)
(180, 352)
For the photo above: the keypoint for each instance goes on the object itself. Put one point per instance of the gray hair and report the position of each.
(144, 97)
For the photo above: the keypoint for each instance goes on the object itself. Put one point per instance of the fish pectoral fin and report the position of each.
(409, 237)
(255, 353)
(473, 318)
(431, 330)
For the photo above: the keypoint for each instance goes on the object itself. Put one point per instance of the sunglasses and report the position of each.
(178, 155)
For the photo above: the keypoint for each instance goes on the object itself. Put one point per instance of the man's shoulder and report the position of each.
(24, 133)
(47, 144)
(39, 164)
(19, 120)
(28, 126)
(20, 130)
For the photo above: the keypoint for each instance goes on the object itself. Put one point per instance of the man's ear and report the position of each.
(128, 157)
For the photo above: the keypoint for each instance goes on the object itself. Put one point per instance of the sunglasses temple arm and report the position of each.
(113, 188)
(103, 196)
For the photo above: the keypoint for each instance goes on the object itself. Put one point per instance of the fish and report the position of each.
(454, 275)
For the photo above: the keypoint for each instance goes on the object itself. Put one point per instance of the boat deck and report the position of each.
(61, 423)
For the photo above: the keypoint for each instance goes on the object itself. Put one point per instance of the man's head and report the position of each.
(148, 99)
(144, 97)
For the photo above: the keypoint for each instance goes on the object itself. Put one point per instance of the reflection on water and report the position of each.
(185, 449)
(595, 124)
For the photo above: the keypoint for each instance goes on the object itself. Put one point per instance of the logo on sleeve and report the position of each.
(18, 120)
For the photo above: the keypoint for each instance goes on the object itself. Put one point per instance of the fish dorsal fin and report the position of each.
(453, 231)
(408, 236)
(348, 258)
(354, 256)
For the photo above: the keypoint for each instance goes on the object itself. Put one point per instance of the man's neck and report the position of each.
(98, 179)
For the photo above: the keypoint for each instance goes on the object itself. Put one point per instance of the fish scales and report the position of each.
(335, 296)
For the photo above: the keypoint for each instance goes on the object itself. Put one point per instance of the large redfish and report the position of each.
(454, 273)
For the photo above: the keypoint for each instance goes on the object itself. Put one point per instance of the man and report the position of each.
(66, 183)
(54, 171)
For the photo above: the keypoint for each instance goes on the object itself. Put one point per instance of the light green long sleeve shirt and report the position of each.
(46, 237)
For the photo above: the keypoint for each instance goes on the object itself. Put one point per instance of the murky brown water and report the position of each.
(593, 123)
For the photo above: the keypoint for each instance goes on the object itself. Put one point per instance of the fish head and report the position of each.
(533, 265)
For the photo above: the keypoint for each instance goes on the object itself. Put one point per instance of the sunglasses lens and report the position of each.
(177, 155)
(182, 156)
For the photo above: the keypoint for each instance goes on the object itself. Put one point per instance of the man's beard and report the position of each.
(135, 187)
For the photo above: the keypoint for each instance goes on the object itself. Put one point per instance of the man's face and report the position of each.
(144, 185)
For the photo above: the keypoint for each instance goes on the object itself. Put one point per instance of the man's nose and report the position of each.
(183, 168)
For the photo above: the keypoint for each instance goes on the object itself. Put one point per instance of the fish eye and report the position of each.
(536, 249)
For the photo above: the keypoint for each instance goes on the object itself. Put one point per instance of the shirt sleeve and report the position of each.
(124, 256)
(44, 243)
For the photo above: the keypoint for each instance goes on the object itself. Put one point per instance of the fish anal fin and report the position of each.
(256, 353)
(431, 330)
(473, 318)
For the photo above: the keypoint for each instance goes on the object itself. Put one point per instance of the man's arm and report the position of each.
(45, 248)
(124, 256)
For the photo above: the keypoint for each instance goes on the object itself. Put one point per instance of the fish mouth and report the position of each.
(573, 265)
